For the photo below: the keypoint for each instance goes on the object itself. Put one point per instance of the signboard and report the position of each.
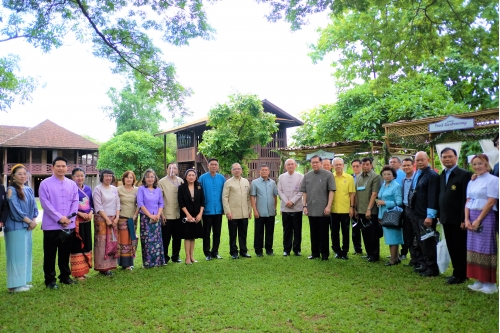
(451, 124)
(321, 153)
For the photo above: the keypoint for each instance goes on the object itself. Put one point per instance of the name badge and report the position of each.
(361, 188)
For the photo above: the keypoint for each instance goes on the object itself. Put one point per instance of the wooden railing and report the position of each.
(46, 169)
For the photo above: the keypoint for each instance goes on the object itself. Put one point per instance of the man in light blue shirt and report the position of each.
(395, 163)
(264, 197)
(212, 184)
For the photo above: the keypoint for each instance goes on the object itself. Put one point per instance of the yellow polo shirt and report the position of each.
(342, 201)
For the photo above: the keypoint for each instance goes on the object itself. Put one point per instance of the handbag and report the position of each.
(443, 256)
(392, 218)
(111, 249)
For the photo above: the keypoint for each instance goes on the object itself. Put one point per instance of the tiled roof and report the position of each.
(45, 135)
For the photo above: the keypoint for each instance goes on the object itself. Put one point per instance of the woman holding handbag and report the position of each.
(107, 207)
(389, 197)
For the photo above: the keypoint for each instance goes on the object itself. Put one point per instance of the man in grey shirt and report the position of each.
(317, 189)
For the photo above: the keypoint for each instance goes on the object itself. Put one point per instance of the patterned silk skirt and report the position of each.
(482, 249)
(100, 263)
(81, 250)
(151, 243)
(126, 246)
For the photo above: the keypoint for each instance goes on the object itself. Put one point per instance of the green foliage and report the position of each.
(134, 150)
(363, 109)
(272, 294)
(118, 31)
(13, 87)
(236, 127)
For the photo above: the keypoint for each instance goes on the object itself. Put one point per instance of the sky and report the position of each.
(249, 55)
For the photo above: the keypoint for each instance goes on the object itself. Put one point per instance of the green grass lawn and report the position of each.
(269, 294)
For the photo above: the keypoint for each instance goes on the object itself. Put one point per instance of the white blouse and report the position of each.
(479, 190)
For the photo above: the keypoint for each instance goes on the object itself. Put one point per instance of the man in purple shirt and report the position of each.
(59, 199)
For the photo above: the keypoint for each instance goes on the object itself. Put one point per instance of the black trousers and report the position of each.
(408, 237)
(238, 228)
(319, 230)
(211, 224)
(426, 250)
(340, 222)
(356, 239)
(264, 227)
(456, 241)
(172, 230)
(371, 237)
(292, 231)
(52, 247)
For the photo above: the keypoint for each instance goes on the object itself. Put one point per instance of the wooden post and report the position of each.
(165, 154)
(431, 151)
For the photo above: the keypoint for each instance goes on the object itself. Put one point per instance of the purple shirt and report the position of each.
(151, 199)
(58, 198)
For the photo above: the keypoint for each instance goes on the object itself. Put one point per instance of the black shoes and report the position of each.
(455, 280)
(69, 281)
(178, 260)
(246, 255)
(324, 259)
(257, 254)
(338, 256)
(312, 257)
(371, 259)
(270, 253)
(429, 273)
(107, 273)
(286, 254)
(298, 254)
(217, 256)
(208, 258)
(365, 257)
(419, 269)
(235, 256)
(52, 286)
(393, 264)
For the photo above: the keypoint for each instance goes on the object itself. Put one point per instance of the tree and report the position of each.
(117, 29)
(236, 127)
(12, 86)
(360, 112)
(134, 150)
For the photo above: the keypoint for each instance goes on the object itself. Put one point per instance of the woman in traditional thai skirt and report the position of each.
(107, 207)
(81, 250)
(191, 203)
(482, 196)
(20, 221)
(127, 223)
(150, 202)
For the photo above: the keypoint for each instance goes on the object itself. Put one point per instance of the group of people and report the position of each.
(171, 209)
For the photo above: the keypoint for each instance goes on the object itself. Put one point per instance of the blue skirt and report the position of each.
(393, 236)
(18, 250)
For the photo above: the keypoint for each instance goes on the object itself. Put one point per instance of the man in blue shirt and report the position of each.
(395, 163)
(264, 197)
(212, 184)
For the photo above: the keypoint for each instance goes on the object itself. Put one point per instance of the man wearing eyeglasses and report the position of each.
(237, 207)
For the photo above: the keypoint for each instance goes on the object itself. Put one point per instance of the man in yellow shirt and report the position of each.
(342, 208)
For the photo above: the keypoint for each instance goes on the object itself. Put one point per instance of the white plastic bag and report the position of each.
(443, 256)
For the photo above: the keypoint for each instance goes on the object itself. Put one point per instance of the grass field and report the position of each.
(269, 294)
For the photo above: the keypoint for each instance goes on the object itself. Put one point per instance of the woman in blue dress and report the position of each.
(20, 222)
(390, 196)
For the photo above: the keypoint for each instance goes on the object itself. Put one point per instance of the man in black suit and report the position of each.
(452, 197)
(4, 209)
(422, 211)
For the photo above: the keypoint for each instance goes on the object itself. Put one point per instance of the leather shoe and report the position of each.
(345, 257)
(455, 280)
(419, 269)
(311, 257)
(258, 255)
(69, 281)
(298, 254)
(365, 257)
(178, 260)
(208, 258)
(392, 264)
(235, 256)
(270, 253)
(324, 259)
(286, 254)
(429, 273)
(217, 256)
(372, 260)
(246, 255)
(338, 256)
(52, 286)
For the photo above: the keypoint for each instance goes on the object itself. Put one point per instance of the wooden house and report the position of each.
(36, 147)
(190, 135)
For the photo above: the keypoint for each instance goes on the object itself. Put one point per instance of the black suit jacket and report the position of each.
(184, 196)
(426, 193)
(4, 207)
(452, 196)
